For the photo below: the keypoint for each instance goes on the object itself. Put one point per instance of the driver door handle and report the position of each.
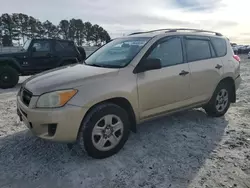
(183, 73)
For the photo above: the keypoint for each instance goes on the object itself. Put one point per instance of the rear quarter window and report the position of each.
(64, 46)
(220, 46)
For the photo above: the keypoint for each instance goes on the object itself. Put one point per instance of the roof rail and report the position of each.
(151, 31)
(179, 29)
(195, 30)
(138, 33)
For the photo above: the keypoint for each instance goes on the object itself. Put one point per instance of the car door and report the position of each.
(41, 56)
(206, 68)
(166, 88)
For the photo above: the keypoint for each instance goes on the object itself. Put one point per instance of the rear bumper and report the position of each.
(237, 82)
(59, 124)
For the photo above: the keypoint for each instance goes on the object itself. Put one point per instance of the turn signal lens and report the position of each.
(65, 96)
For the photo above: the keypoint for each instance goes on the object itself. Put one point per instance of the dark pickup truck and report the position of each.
(37, 55)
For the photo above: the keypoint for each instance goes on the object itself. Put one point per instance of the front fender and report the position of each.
(88, 101)
(11, 61)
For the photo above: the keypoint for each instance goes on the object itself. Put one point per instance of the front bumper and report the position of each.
(65, 121)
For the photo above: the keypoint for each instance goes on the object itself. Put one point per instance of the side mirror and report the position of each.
(33, 49)
(148, 64)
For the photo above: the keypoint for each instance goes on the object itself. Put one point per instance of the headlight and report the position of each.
(55, 99)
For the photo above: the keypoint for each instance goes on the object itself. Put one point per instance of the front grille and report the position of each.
(26, 96)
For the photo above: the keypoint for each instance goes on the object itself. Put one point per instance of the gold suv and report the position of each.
(131, 79)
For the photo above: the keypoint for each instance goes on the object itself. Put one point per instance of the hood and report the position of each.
(64, 78)
(14, 54)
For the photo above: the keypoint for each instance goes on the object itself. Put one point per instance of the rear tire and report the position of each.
(104, 131)
(8, 77)
(220, 101)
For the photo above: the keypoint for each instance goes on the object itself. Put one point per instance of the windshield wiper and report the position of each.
(95, 65)
(104, 65)
(112, 66)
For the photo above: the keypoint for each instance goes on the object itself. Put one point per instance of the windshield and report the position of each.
(26, 45)
(117, 53)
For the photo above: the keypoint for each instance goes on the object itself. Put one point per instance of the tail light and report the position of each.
(237, 58)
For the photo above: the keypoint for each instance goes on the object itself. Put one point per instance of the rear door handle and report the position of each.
(183, 73)
(218, 66)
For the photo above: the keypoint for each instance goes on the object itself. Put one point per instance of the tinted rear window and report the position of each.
(197, 49)
(220, 46)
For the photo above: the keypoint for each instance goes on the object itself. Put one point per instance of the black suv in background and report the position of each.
(37, 55)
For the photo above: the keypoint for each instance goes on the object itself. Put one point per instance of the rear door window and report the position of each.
(220, 46)
(198, 49)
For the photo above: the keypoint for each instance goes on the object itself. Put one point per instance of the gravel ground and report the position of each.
(187, 149)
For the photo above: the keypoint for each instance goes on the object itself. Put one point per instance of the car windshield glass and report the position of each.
(117, 53)
(26, 45)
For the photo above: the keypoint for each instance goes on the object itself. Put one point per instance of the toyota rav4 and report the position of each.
(128, 81)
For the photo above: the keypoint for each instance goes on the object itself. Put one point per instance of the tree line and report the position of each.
(17, 27)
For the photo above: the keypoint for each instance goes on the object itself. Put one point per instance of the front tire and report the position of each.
(220, 101)
(8, 77)
(104, 131)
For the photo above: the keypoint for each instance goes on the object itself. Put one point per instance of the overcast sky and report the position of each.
(120, 17)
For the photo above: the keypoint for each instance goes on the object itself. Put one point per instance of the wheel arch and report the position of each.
(230, 82)
(123, 103)
(10, 62)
